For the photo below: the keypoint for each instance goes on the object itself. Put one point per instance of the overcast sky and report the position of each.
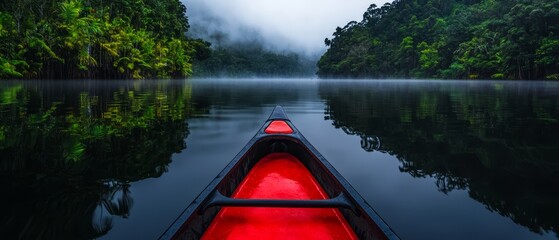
(298, 25)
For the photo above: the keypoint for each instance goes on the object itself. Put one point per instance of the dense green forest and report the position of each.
(252, 59)
(95, 39)
(457, 39)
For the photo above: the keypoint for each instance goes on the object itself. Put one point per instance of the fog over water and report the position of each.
(281, 25)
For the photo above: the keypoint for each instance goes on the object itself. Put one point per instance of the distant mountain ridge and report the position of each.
(251, 59)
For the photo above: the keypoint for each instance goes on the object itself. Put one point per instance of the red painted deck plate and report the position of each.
(279, 176)
(278, 127)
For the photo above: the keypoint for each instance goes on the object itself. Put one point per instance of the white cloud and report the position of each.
(299, 25)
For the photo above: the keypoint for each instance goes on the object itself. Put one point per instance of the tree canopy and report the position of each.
(458, 39)
(252, 59)
(95, 39)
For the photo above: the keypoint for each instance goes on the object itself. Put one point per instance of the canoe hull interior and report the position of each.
(227, 182)
(279, 176)
(278, 135)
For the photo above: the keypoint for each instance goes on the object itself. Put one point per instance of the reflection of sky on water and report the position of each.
(226, 115)
(414, 207)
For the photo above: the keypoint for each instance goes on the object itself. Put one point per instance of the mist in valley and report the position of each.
(267, 38)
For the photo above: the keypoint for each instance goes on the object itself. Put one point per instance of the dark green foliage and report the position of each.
(166, 18)
(448, 39)
(250, 60)
(94, 39)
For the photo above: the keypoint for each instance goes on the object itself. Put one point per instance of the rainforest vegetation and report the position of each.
(252, 59)
(457, 39)
(95, 39)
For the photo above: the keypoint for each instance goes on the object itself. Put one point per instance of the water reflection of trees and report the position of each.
(67, 157)
(498, 142)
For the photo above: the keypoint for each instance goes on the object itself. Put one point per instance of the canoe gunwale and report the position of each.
(193, 221)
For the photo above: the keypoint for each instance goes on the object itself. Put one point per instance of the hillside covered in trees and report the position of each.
(95, 39)
(253, 60)
(456, 39)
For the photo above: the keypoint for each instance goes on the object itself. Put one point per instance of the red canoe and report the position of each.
(279, 187)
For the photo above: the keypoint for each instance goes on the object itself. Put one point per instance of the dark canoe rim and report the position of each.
(278, 114)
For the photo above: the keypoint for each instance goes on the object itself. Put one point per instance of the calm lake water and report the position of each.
(436, 159)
